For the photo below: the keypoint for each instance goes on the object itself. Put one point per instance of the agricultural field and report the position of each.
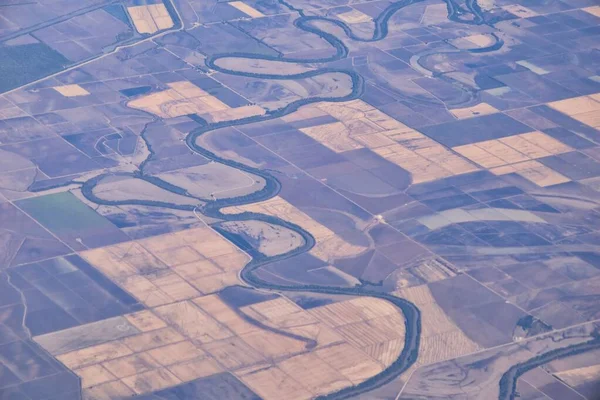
(265, 200)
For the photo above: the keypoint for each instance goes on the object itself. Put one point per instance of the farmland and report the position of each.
(299, 200)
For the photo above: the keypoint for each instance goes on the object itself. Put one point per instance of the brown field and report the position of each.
(150, 18)
(246, 9)
(73, 90)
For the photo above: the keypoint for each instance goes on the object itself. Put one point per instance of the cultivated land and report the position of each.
(296, 200)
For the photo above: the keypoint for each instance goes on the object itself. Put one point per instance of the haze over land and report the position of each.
(269, 199)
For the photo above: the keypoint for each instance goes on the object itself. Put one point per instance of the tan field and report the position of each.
(150, 340)
(146, 321)
(373, 331)
(432, 270)
(272, 239)
(512, 149)
(329, 245)
(334, 136)
(246, 9)
(213, 305)
(183, 98)
(585, 109)
(188, 333)
(71, 90)
(150, 18)
(477, 375)
(94, 375)
(350, 362)
(332, 247)
(260, 66)
(533, 171)
(272, 382)
(193, 323)
(175, 353)
(196, 262)
(579, 376)
(520, 11)
(131, 365)
(95, 354)
(199, 368)
(594, 10)
(128, 188)
(151, 381)
(354, 17)
(107, 391)
(441, 339)
(234, 353)
(362, 126)
(576, 105)
(315, 374)
(231, 114)
(516, 154)
(186, 340)
(280, 313)
(481, 108)
(274, 346)
(385, 352)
